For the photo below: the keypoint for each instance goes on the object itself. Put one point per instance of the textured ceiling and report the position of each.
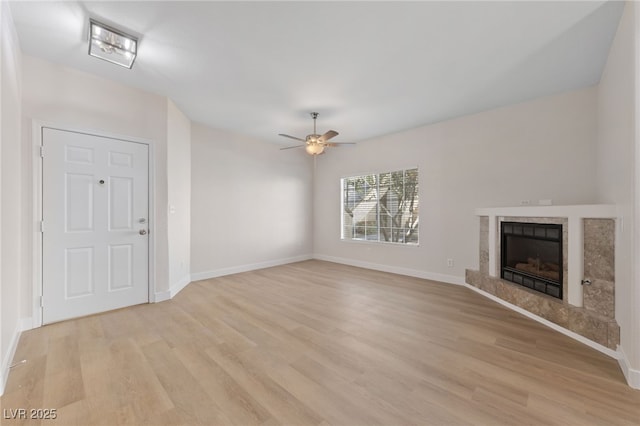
(369, 68)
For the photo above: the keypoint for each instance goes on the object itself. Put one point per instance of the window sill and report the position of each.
(378, 243)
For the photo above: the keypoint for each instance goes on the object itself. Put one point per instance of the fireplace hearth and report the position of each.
(532, 256)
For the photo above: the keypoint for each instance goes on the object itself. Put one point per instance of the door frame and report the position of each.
(37, 175)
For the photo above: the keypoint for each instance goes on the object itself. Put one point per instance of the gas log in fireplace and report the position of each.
(532, 256)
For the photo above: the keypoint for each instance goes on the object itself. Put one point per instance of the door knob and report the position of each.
(143, 232)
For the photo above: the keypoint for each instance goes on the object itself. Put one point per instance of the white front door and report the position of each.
(95, 210)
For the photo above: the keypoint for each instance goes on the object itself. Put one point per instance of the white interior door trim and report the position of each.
(36, 136)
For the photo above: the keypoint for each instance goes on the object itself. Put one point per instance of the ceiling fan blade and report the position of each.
(291, 147)
(291, 137)
(336, 144)
(330, 134)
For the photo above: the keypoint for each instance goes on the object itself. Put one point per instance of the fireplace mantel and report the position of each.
(592, 211)
(574, 214)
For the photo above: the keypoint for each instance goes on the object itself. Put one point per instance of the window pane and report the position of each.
(381, 207)
(398, 235)
(412, 238)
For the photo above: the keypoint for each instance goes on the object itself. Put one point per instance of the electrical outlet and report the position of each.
(525, 202)
(449, 263)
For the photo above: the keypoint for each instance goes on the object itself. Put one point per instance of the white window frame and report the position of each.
(379, 240)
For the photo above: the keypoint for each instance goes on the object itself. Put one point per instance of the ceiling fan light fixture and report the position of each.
(112, 45)
(314, 148)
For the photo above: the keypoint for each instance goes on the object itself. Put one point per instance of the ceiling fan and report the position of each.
(315, 143)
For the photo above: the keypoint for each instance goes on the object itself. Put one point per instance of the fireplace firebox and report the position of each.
(532, 256)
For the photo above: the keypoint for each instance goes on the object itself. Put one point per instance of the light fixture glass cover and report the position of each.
(315, 148)
(112, 45)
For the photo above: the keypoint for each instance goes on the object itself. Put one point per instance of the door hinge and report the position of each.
(42, 226)
(42, 301)
(42, 151)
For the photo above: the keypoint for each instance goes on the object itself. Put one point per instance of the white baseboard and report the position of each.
(8, 357)
(246, 268)
(161, 296)
(450, 279)
(632, 375)
(175, 288)
(178, 286)
(556, 327)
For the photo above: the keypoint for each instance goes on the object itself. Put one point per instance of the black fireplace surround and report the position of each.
(532, 256)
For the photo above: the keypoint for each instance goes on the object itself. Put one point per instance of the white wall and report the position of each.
(543, 149)
(66, 97)
(179, 196)
(616, 168)
(250, 203)
(10, 191)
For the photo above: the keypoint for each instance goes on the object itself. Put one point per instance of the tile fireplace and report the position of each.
(536, 259)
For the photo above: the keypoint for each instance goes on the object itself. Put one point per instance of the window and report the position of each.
(381, 207)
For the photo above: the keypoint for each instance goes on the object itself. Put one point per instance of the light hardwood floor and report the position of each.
(316, 343)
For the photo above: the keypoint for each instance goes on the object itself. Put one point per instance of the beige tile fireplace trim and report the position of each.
(574, 215)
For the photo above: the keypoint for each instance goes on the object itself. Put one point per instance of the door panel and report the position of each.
(78, 193)
(120, 203)
(95, 205)
(120, 266)
(78, 272)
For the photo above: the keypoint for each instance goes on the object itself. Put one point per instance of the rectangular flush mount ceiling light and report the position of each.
(112, 45)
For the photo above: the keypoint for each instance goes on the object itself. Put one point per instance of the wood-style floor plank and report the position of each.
(315, 343)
